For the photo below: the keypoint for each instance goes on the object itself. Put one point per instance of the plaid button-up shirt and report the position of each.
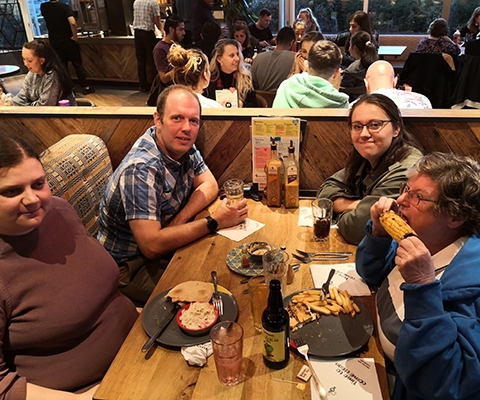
(144, 13)
(147, 185)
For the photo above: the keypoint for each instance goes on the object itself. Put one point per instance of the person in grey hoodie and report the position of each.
(316, 87)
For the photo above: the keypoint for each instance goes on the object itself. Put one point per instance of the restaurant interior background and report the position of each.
(21, 20)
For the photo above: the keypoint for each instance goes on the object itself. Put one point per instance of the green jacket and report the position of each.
(308, 91)
(374, 185)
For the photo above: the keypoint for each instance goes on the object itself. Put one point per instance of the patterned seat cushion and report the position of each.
(78, 168)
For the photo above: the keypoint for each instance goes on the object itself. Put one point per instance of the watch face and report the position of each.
(212, 224)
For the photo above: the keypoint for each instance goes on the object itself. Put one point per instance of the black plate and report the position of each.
(332, 336)
(173, 336)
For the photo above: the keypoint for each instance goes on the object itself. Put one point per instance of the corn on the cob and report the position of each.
(396, 226)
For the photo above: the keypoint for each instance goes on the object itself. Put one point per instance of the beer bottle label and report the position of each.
(274, 345)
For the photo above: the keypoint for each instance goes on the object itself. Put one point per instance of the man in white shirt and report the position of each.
(380, 78)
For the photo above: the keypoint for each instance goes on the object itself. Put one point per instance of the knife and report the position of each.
(165, 321)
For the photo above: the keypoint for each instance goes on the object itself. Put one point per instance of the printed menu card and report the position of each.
(348, 379)
(345, 278)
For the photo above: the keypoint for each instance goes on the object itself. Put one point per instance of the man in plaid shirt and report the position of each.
(156, 191)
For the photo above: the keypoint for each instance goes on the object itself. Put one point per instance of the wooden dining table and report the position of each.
(163, 373)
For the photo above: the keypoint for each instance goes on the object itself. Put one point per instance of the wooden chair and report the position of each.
(78, 168)
(268, 96)
(261, 102)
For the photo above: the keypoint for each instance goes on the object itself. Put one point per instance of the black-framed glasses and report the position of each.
(413, 197)
(373, 126)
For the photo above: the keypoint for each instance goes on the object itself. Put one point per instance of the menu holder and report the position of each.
(264, 130)
(227, 97)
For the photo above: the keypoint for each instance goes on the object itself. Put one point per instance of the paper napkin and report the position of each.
(348, 379)
(241, 231)
(345, 278)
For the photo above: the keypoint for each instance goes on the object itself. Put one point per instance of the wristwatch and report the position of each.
(212, 225)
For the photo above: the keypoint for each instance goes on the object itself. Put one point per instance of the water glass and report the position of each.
(322, 210)
(227, 344)
(275, 266)
(234, 191)
(258, 291)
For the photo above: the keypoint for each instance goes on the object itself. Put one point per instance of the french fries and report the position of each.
(312, 302)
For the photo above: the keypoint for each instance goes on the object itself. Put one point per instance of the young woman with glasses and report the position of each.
(381, 154)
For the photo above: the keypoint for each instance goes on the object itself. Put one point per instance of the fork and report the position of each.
(216, 298)
(302, 348)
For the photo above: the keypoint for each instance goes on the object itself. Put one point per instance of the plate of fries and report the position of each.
(332, 325)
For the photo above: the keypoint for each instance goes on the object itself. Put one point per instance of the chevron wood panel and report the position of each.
(225, 142)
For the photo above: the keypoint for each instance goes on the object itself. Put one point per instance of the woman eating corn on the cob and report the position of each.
(428, 301)
(382, 151)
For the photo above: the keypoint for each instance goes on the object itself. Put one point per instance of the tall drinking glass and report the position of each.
(275, 266)
(322, 210)
(227, 344)
(258, 291)
(234, 191)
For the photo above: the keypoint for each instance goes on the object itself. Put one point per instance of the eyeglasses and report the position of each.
(373, 126)
(413, 197)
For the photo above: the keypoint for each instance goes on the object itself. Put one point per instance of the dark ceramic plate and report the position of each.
(173, 336)
(332, 336)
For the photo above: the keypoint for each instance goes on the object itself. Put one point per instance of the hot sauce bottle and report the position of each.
(273, 168)
(292, 178)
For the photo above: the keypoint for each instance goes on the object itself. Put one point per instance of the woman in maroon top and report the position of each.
(62, 318)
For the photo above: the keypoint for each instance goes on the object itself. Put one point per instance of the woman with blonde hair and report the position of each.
(190, 68)
(228, 71)
(311, 23)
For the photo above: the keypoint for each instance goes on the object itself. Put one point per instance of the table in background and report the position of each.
(164, 374)
(394, 51)
(6, 70)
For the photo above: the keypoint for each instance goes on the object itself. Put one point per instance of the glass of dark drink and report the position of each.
(322, 210)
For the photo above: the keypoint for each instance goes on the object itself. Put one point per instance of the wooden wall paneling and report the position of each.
(324, 150)
(460, 138)
(126, 133)
(427, 136)
(226, 150)
(16, 127)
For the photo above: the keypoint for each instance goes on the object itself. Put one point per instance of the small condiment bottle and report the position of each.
(245, 261)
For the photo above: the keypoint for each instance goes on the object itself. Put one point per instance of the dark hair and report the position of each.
(399, 148)
(162, 98)
(285, 36)
(211, 30)
(13, 150)
(242, 26)
(324, 58)
(438, 28)
(172, 22)
(313, 36)
(362, 19)
(362, 41)
(42, 49)
(264, 13)
(471, 25)
(457, 180)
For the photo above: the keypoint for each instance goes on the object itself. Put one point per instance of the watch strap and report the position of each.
(212, 224)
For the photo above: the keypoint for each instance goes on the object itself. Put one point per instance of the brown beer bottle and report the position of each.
(292, 178)
(273, 169)
(275, 329)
